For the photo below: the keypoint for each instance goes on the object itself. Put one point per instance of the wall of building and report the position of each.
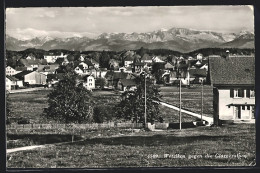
(35, 78)
(229, 113)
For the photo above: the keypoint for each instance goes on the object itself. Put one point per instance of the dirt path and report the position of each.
(23, 148)
(26, 90)
(208, 119)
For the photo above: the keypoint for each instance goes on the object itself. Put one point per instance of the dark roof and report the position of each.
(238, 70)
(198, 72)
(146, 57)
(88, 62)
(59, 60)
(116, 75)
(22, 74)
(128, 82)
(12, 78)
(129, 58)
(48, 68)
(20, 68)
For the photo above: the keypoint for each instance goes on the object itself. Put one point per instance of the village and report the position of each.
(130, 87)
(232, 100)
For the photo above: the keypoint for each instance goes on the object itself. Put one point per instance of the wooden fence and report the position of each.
(73, 128)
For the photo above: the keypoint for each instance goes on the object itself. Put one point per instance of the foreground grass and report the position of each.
(147, 149)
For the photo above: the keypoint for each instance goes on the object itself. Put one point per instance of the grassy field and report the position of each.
(191, 100)
(29, 105)
(232, 145)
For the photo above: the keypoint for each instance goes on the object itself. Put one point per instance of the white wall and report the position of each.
(226, 113)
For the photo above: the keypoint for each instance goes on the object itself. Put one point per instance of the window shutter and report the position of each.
(231, 93)
(242, 93)
(248, 93)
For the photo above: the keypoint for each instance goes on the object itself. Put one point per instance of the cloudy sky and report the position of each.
(25, 23)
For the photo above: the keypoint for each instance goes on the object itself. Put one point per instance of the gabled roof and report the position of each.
(12, 78)
(128, 82)
(198, 72)
(238, 70)
(22, 74)
(88, 62)
(47, 68)
(129, 58)
(116, 75)
(146, 57)
(168, 66)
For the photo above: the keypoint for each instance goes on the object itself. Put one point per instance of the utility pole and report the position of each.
(144, 99)
(180, 104)
(201, 99)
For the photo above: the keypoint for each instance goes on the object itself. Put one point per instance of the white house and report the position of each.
(53, 58)
(233, 81)
(157, 59)
(31, 77)
(89, 82)
(12, 83)
(10, 71)
(199, 56)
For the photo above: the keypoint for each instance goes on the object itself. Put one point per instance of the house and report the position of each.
(146, 59)
(31, 77)
(12, 83)
(137, 67)
(126, 85)
(10, 71)
(157, 59)
(113, 64)
(51, 58)
(197, 76)
(169, 66)
(89, 82)
(113, 77)
(94, 63)
(31, 64)
(128, 60)
(233, 81)
(47, 69)
(199, 56)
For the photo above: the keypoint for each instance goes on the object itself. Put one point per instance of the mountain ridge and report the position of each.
(179, 39)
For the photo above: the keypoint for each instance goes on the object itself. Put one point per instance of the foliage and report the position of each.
(101, 82)
(132, 106)
(157, 71)
(104, 60)
(69, 102)
(8, 108)
(102, 113)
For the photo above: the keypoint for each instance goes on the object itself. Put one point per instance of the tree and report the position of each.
(70, 102)
(8, 108)
(158, 71)
(104, 60)
(132, 106)
(101, 82)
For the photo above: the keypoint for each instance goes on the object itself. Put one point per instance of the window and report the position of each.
(248, 107)
(252, 93)
(237, 93)
(90, 84)
(90, 80)
(243, 107)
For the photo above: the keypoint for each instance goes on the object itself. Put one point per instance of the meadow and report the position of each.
(229, 145)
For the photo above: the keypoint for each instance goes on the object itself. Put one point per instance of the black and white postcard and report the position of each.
(130, 87)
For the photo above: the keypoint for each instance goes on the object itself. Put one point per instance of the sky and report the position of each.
(27, 23)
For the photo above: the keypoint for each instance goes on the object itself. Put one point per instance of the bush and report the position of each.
(23, 121)
(102, 114)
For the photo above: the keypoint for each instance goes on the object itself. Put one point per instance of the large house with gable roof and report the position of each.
(233, 81)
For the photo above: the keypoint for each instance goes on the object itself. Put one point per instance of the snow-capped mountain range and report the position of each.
(178, 39)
